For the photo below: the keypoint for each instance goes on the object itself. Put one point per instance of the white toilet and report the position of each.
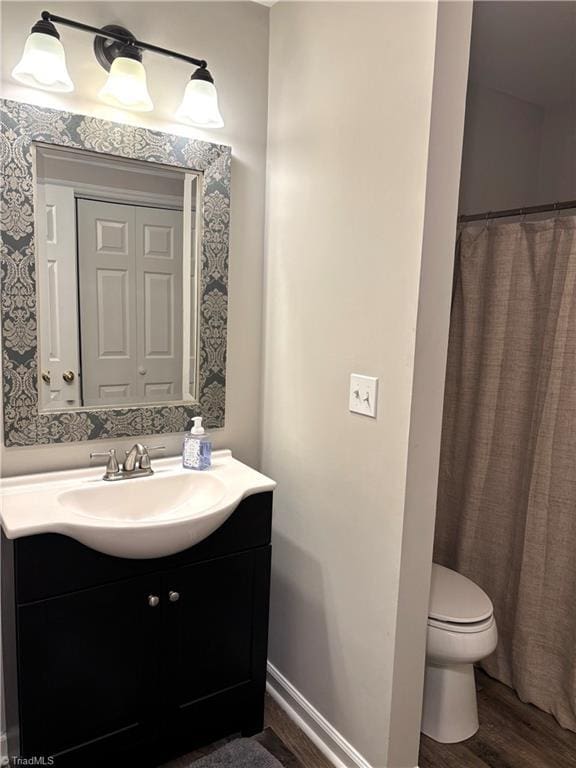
(461, 631)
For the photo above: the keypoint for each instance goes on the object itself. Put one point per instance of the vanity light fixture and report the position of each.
(126, 85)
(43, 65)
(200, 103)
(43, 62)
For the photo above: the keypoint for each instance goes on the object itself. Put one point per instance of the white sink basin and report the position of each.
(160, 497)
(140, 518)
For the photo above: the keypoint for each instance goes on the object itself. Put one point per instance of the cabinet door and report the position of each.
(88, 671)
(218, 630)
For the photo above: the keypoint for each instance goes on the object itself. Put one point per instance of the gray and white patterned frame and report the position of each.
(21, 126)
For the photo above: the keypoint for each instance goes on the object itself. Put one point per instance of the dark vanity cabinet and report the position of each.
(130, 662)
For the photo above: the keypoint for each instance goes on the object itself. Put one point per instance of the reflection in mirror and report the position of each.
(117, 280)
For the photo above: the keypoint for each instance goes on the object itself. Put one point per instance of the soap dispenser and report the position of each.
(197, 453)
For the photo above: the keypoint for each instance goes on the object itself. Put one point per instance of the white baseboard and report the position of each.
(328, 740)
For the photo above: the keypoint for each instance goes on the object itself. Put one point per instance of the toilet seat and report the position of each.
(455, 600)
(461, 627)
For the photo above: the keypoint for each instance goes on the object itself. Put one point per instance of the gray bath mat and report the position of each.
(240, 753)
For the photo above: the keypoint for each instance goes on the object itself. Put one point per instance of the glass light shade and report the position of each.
(43, 64)
(200, 105)
(126, 86)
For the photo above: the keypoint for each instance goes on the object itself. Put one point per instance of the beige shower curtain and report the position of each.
(507, 490)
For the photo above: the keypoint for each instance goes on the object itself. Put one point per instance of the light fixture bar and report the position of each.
(119, 38)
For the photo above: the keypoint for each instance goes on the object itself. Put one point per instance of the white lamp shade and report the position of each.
(200, 105)
(126, 86)
(43, 64)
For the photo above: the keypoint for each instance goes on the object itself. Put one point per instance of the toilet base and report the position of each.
(450, 711)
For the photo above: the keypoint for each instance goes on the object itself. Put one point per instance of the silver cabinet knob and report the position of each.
(153, 601)
(68, 376)
(173, 596)
(142, 371)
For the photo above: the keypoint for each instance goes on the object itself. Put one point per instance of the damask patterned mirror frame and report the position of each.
(23, 124)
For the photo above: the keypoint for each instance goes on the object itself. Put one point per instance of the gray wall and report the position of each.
(557, 172)
(233, 36)
(516, 152)
(520, 133)
(501, 151)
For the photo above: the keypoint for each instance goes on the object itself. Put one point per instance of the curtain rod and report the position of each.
(526, 211)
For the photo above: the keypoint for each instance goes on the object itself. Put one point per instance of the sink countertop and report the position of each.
(53, 503)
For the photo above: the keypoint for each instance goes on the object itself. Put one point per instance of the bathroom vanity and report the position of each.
(125, 661)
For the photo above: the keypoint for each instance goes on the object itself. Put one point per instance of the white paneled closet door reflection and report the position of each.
(59, 358)
(130, 278)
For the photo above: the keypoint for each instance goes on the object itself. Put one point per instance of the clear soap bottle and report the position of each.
(197, 452)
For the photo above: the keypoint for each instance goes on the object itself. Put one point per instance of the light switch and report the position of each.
(363, 394)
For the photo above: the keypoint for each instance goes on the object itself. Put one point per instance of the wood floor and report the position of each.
(306, 753)
(511, 735)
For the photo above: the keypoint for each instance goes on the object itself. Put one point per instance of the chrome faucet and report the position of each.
(136, 463)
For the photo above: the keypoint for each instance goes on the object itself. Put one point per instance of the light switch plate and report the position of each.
(363, 394)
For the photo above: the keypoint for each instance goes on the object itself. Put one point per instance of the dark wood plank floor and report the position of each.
(512, 735)
(306, 752)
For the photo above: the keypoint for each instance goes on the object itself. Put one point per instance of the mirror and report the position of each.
(114, 267)
(116, 279)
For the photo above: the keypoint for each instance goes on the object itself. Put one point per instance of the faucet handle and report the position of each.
(155, 447)
(112, 467)
(98, 454)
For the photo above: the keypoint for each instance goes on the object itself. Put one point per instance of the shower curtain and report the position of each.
(506, 514)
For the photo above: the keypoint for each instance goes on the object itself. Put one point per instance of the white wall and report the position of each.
(233, 37)
(349, 122)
